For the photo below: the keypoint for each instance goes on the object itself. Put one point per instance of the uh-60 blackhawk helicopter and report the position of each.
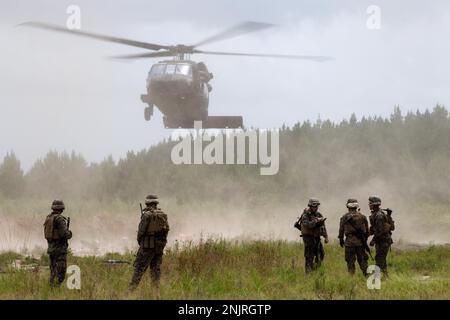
(180, 87)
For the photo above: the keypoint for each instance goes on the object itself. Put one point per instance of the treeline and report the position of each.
(409, 153)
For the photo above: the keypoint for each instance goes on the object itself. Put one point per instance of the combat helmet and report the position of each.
(352, 203)
(58, 205)
(374, 200)
(151, 198)
(313, 202)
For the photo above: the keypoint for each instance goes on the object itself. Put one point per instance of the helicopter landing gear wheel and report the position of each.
(148, 112)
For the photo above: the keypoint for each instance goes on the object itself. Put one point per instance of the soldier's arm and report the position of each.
(167, 228)
(298, 222)
(323, 231)
(371, 226)
(341, 229)
(392, 223)
(366, 227)
(61, 225)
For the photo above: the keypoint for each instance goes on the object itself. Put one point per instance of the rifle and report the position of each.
(389, 213)
(142, 211)
(321, 222)
(68, 223)
(297, 224)
(360, 236)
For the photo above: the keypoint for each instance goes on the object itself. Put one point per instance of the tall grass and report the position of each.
(219, 269)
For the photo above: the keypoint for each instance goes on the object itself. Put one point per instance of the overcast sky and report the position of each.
(58, 92)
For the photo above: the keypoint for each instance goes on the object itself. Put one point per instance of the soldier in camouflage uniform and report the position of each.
(381, 227)
(152, 238)
(355, 227)
(312, 226)
(57, 233)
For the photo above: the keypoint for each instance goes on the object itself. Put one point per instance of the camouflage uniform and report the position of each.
(381, 227)
(57, 234)
(152, 238)
(351, 223)
(312, 226)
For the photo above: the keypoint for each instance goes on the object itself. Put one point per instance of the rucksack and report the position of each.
(157, 222)
(50, 233)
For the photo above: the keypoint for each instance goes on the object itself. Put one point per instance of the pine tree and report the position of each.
(12, 182)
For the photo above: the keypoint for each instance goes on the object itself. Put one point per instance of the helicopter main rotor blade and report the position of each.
(144, 55)
(245, 27)
(128, 42)
(284, 56)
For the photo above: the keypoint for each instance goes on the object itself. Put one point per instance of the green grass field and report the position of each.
(219, 269)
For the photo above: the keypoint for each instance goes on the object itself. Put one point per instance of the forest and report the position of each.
(410, 153)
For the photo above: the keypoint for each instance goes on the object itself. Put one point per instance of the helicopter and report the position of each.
(180, 87)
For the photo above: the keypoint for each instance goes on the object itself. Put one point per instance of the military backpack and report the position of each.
(50, 232)
(157, 226)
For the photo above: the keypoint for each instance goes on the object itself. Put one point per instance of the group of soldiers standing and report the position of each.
(354, 231)
(151, 237)
(153, 229)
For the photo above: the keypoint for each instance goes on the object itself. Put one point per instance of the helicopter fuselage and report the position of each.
(180, 90)
(177, 90)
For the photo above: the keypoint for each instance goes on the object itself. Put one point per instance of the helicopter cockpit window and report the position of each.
(158, 69)
(170, 69)
(183, 69)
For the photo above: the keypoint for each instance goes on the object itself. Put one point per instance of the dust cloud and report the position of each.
(99, 231)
